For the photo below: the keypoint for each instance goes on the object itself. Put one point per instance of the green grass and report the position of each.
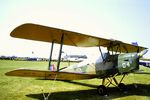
(17, 88)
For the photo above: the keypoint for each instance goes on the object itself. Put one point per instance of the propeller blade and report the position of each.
(142, 53)
(143, 63)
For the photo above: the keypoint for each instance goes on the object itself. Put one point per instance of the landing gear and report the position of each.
(122, 87)
(101, 90)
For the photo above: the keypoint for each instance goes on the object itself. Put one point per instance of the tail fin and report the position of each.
(52, 67)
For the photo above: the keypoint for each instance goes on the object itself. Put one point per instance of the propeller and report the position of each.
(140, 54)
(144, 63)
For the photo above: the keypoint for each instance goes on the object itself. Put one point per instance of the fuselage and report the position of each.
(107, 65)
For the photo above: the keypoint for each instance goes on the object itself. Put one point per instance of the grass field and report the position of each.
(17, 88)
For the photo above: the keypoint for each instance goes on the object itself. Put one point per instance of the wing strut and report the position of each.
(60, 51)
(50, 57)
(101, 53)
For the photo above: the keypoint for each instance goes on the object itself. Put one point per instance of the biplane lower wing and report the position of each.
(49, 74)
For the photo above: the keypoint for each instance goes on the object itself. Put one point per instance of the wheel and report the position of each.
(102, 90)
(122, 87)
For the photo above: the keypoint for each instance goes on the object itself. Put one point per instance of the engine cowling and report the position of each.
(128, 62)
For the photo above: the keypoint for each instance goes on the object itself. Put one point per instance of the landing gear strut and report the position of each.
(102, 89)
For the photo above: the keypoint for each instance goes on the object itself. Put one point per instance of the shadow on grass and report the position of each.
(73, 82)
(146, 73)
(91, 94)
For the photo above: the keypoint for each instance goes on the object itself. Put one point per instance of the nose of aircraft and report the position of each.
(144, 63)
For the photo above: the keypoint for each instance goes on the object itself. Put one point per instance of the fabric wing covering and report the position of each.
(49, 74)
(49, 34)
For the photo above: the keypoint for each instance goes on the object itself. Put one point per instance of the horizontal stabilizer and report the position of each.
(49, 74)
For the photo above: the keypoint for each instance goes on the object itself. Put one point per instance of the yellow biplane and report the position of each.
(121, 58)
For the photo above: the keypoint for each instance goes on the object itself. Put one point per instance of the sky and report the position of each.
(124, 20)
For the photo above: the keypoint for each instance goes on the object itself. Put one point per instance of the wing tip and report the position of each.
(19, 27)
(10, 73)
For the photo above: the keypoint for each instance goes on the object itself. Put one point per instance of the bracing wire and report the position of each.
(48, 95)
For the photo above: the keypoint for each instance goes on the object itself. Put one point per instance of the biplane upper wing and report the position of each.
(49, 74)
(49, 34)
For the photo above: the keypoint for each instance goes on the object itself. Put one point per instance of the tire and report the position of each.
(101, 90)
(122, 87)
